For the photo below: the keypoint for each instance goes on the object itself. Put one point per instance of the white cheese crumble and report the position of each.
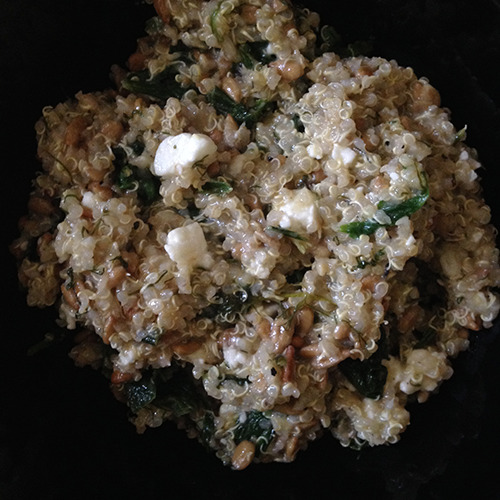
(187, 247)
(344, 155)
(177, 154)
(298, 211)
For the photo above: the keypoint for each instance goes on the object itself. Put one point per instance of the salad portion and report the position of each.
(260, 233)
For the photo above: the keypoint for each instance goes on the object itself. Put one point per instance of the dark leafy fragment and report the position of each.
(139, 394)
(226, 306)
(207, 428)
(255, 427)
(226, 105)
(286, 232)
(172, 389)
(129, 178)
(161, 86)
(255, 52)
(216, 187)
(395, 211)
(368, 376)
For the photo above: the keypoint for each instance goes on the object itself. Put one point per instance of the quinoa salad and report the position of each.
(260, 234)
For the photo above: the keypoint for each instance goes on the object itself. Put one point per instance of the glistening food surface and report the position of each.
(258, 238)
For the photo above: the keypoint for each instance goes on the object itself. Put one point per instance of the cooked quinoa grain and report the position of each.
(257, 238)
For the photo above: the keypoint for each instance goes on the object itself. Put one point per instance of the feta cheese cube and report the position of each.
(187, 247)
(344, 155)
(177, 154)
(298, 211)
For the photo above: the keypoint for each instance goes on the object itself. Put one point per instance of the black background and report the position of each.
(62, 435)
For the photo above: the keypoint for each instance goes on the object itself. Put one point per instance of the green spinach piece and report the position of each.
(227, 305)
(161, 86)
(256, 427)
(130, 178)
(140, 393)
(368, 376)
(255, 52)
(226, 105)
(395, 211)
(171, 388)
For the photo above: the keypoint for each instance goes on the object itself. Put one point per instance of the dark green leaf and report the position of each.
(226, 306)
(141, 393)
(226, 105)
(286, 232)
(216, 187)
(252, 52)
(129, 178)
(256, 427)
(161, 86)
(395, 211)
(368, 376)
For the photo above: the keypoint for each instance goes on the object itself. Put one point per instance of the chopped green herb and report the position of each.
(461, 135)
(255, 427)
(216, 187)
(299, 241)
(226, 105)
(286, 232)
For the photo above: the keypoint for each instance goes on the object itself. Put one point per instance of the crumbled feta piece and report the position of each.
(235, 358)
(314, 150)
(298, 211)
(187, 247)
(177, 154)
(343, 154)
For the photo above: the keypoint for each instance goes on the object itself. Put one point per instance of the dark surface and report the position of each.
(62, 435)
